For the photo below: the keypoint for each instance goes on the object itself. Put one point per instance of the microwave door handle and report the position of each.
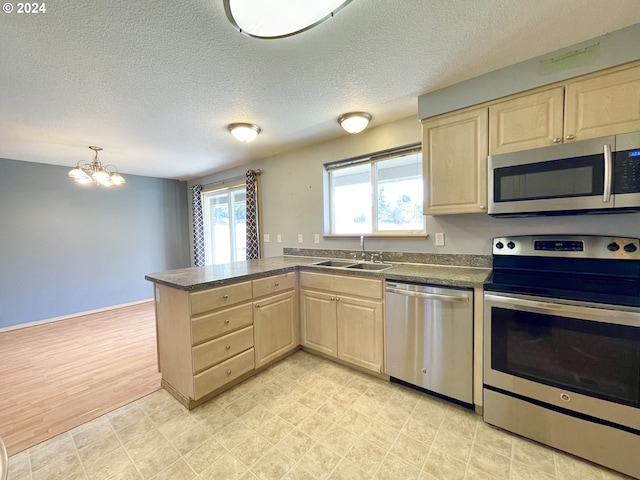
(608, 173)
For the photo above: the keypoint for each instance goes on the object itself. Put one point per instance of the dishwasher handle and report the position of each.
(430, 296)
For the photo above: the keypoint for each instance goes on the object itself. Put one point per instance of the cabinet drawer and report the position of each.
(223, 373)
(219, 297)
(215, 351)
(220, 323)
(342, 284)
(274, 284)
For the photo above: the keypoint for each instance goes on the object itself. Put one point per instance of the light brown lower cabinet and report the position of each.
(345, 321)
(360, 332)
(275, 327)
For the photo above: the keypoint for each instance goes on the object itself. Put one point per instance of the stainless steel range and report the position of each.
(562, 344)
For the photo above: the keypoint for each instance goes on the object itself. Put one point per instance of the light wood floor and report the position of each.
(56, 376)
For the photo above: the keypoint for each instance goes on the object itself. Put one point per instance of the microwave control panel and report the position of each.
(627, 171)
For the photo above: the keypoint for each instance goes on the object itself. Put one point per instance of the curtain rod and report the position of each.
(231, 179)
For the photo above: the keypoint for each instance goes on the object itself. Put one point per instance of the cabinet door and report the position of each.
(318, 322)
(454, 151)
(603, 105)
(529, 121)
(275, 327)
(360, 332)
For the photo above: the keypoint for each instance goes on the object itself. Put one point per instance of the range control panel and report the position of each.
(574, 246)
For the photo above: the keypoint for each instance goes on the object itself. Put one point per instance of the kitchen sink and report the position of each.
(334, 263)
(369, 266)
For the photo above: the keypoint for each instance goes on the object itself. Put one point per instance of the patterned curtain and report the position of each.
(253, 241)
(198, 225)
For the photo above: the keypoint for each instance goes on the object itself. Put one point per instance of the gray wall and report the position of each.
(67, 248)
(292, 202)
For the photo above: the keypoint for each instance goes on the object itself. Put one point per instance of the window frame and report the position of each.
(371, 160)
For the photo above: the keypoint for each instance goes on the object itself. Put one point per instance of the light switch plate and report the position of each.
(279, 238)
(266, 238)
(316, 238)
(299, 238)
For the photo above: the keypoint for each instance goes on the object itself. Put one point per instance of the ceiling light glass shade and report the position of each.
(93, 172)
(279, 18)
(354, 122)
(245, 132)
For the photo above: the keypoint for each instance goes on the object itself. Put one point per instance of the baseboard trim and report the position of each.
(72, 315)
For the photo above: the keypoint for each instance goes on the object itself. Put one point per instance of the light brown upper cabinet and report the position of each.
(454, 156)
(607, 104)
(527, 121)
(596, 105)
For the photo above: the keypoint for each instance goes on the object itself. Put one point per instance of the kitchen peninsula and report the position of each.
(219, 324)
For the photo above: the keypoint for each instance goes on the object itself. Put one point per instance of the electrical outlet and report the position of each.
(439, 239)
(266, 238)
(316, 238)
(279, 238)
(299, 238)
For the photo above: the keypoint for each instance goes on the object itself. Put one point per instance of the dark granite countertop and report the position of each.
(198, 278)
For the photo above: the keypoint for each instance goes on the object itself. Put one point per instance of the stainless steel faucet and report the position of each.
(362, 246)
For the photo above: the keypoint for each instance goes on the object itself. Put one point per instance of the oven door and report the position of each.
(572, 356)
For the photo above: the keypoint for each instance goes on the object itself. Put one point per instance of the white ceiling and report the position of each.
(155, 82)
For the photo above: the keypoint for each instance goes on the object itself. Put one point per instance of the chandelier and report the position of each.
(93, 172)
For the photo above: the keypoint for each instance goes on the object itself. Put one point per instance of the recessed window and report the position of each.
(377, 195)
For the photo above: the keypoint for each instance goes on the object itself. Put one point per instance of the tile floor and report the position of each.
(304, 418)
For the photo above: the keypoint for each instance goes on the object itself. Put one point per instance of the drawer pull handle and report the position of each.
(225, 296)
(226, 322)
(228, 347)
(228, 372)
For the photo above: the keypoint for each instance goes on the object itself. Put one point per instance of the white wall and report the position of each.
(291, 201)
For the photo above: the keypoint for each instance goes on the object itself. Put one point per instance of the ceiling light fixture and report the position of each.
(93, 172)
(279, 18)
(354, 122)
(245, 132)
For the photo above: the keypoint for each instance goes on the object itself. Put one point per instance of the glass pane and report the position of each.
(399, 193)
(351, 199)
(219, 208)
(240, 224)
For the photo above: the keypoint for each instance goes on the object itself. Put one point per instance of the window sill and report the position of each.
(400, 236)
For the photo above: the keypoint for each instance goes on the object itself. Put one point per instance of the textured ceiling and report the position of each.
(155, 83)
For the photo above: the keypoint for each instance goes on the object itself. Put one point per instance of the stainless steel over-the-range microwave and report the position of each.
(587, 176)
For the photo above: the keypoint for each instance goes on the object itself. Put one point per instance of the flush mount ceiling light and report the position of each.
(354, 122)
(245, 132)
(93, 172)
(279, 18)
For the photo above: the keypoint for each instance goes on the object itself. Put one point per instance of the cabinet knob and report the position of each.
(333, 298)
(228, 347)
(337, 299)
(569, 137)
(277, 284)
(228, 372)
(557, 140)
(225, 296)
(226, 322)
(424, 370)
(257, 305)
(483, 207)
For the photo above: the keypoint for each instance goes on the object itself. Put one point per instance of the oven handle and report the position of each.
(586, 312)
(428, 296)
(608, 173)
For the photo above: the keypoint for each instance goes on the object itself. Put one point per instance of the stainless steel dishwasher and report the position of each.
(429, 338)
